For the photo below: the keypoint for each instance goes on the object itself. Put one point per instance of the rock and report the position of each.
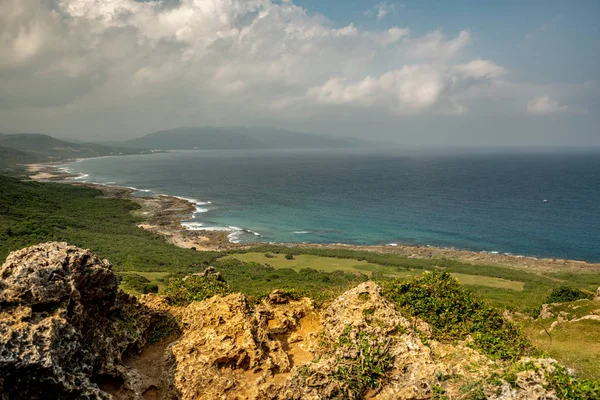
(360, 321)
(546, 311)
(226, 349)
(529, 384)
(277, 297)
(63, 323)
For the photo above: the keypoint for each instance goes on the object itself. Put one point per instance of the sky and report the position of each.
(421, 73)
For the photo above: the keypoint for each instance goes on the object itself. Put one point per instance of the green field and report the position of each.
(329, 264)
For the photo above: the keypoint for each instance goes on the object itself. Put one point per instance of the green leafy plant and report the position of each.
(565, 294)
(454, 313)
(182, 291)
(365, 366)
(560, 380)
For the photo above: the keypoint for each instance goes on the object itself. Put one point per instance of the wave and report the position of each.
(80, 176)
(301, 232)
(235, 233)
(192, 200)
(193, 226)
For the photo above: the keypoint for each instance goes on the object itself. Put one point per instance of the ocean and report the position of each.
(545, 205)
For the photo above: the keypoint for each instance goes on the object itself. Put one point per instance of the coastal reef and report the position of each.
(68, 332)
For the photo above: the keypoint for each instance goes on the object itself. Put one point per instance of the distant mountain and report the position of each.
(47, 148)
(10, 158)
(213, 138)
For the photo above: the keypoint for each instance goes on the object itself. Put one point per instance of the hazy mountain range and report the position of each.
(212, 138)
(23, 148)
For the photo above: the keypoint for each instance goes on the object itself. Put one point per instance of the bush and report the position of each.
(136, 282)
(455, 313)
(366, 369)
(150, 288)
(565, 294)
(269, 255)
(182, 291)
(289, 256)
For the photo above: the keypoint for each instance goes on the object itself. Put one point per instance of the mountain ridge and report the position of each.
(238, 138)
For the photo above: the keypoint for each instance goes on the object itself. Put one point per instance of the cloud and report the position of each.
(414, 89)
(535, 33)
(381, 10)
(435, 45)
(480, 69)
(114, 66)
(545, 105)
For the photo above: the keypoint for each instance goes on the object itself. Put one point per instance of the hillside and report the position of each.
(212, 138)
(11, 158)
(35, 147)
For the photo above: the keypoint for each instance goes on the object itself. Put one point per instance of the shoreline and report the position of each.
(165, 215)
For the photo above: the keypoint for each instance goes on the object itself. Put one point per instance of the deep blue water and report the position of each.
(492, 202)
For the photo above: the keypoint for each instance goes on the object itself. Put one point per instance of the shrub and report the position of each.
(364, 365)
(269, 255)
(455, 313)
(289, 256)
(182, 291)
(150, 288)
(136, 282)
(565, 294)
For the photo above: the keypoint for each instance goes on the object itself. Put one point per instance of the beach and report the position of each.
(166, 215)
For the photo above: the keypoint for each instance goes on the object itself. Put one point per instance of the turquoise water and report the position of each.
(530, 204)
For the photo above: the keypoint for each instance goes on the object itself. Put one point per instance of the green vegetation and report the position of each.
(139, 283)
(364, 365)
(565, 385)
(565, 294)
(182, 291)
(329, 264)
(574, 343)
(34, 212)
(44, 148)
(454, 313)
(258, 280)
(11, 160)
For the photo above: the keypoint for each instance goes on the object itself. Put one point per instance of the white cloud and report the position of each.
(382, 9)
(123, 65)
(545, 105)
(435, 45)
(414, 89)
(480, 69)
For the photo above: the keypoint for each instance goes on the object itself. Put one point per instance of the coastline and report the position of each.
(165, 215)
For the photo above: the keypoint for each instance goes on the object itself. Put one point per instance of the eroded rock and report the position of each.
(63, 323)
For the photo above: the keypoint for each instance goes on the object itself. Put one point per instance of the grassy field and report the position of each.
(574, 343)
(329, 264)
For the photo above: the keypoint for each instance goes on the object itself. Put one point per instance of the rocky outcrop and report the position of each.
(68, 332)
(64, 324)
(364, 337)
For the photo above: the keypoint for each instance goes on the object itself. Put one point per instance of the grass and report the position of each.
(574, 344)
(34, 212)
(157, 278)
(454, 313)
(329, 264)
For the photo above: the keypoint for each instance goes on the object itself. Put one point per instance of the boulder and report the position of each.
(63, 324)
